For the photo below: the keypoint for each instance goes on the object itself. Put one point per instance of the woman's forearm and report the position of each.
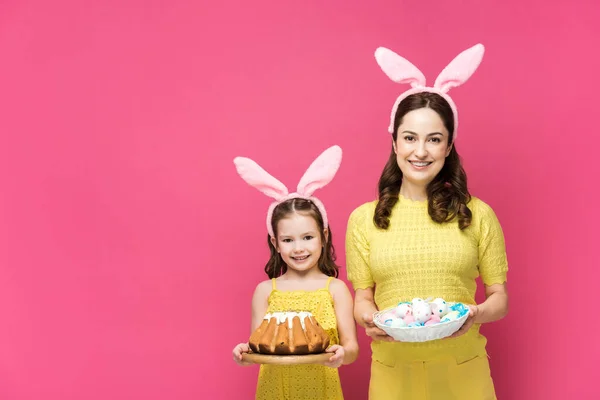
(494, 308)
(363, 306)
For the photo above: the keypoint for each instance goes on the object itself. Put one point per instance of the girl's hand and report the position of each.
(335, 361)
(473, 311)
(238, 351)
(373, 331)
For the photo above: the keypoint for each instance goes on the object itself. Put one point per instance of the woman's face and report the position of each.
(421, 146)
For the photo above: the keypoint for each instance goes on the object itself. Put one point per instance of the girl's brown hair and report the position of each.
(276, 266)
(447, 194)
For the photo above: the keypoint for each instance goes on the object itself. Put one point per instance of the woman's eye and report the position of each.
(409, 138)
(436, 140)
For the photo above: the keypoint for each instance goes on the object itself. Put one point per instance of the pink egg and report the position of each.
(432, 322)
(434, 318)
(409, 318)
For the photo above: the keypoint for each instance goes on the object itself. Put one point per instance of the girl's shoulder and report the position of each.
(337, 284)
(264, 287)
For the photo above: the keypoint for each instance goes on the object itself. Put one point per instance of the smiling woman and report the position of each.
(426, 236)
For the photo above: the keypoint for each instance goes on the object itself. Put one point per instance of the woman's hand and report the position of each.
(473, 312)
(373, 331)
(238, 351)
(335, 361)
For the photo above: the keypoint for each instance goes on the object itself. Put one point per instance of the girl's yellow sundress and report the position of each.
(297, 382)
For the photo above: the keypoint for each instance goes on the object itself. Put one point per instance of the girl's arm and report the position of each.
(342, 300)
(260, 303)
(259, 309)
(364, 307)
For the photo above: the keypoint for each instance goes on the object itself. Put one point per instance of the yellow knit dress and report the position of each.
(417, 257)
(299, 382)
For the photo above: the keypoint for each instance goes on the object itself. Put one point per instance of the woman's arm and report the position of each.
(494, 308)
(364, 307)
(346, 326)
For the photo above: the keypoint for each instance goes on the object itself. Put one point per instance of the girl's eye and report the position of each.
(286, 240)
(308, 237)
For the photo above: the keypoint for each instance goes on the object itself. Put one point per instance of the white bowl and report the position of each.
(421, 333)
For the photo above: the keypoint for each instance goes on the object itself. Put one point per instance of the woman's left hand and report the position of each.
(473, 311)
(335, 361)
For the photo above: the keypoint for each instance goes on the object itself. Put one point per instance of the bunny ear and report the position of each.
(460, 69)
(399, 69)
(255, 176)
(321, 171)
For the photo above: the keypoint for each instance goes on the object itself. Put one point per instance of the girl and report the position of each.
(303, 277)
(427, 236)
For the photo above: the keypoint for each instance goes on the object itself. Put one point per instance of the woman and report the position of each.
(426, 236)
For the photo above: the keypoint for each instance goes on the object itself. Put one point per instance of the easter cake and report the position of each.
(289, 333)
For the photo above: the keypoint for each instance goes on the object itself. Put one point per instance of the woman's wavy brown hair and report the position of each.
(276, 266)
(447, 194)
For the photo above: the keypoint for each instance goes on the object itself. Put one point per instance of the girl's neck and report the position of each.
(291, 281)
(312, 274)
(413, 192)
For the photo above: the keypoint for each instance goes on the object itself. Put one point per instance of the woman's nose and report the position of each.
(421, 150)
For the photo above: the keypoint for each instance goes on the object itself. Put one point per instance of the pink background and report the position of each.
(129, 247)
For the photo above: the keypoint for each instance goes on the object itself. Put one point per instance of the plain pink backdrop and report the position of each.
(129, 247)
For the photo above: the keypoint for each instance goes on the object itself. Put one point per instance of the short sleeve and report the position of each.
(493, 264)
(358, 250)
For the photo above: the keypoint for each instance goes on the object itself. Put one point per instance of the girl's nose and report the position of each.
(298, 247)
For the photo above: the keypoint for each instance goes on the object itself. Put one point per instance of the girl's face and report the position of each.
(299, 242)
(421, 146)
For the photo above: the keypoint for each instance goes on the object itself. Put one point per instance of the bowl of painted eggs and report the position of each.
(422, 320)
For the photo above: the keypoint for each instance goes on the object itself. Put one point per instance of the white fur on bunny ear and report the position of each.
(321, 171)
(460, 69)
(256, 176)
(399, 69)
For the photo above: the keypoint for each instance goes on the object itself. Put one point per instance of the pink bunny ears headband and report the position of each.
(400, 70)
(319, 174)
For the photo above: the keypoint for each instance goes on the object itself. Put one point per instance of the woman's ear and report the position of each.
(449, 149)
(394, 147)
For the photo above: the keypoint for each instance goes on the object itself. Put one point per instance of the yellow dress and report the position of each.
(297, 382)
(417, 257)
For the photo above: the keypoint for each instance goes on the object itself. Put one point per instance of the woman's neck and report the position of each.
(413, 192)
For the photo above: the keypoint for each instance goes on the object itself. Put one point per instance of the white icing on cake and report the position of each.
(289, 316)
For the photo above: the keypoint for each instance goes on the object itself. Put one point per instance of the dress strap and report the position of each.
(328, 282)
(274, 284)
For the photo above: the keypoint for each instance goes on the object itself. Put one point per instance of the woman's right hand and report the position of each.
(373, 331)
(238, 351)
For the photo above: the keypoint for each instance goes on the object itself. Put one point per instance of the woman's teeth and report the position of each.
(419, 163)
